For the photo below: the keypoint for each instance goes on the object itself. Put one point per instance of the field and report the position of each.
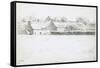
(39, 49)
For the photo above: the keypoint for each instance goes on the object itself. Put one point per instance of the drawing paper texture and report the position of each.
(55, 34)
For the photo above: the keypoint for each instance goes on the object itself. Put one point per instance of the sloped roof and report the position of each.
(51, 26)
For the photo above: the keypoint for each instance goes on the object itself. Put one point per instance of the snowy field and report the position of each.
(40, 49)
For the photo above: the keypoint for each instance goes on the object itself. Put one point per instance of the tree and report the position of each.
(28, 28)
(63, 19)
(48, 18)
(71, 28)
(82, 20)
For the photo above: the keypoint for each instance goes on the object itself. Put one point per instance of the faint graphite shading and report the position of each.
(56, 26)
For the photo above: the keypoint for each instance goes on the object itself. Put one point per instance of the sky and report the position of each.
(42, 11)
